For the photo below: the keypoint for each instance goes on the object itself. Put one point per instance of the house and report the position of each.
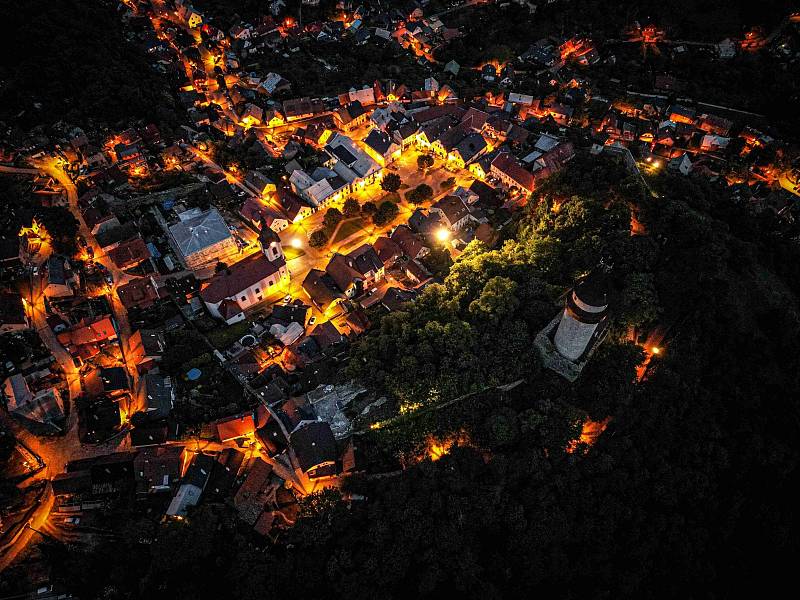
(681, 164)
(321, 289)
(235, 427)
(158, 469)
(408, 242)
(302, 108)
(130, 253)
(259, 183)
(258, 215)
(99, 220)
(159, 395)
(453, 212)
(59, 279)
(86, 338)
(192, 486)
(388, 250)
(240, 286)
(138, 293)
(146, 348)
(115, 381)
(190, 16)
(350, 116)
(12, 313)
(381, 147)
(43, 406)
(506, 168)
(202, 239)
(253, 495)
(681, 114)
(355, 272)
(223, 476)
(350, 163)
(315, 447)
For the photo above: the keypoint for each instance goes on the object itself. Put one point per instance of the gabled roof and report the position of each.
(365, 259)
(379, 141)
(321, 288)
(236, 426)
(507, 164)
(130, 253)
(138, 292)
(342, 270)
(409, 243)
(452, 207)
(314, 445)
(249, 500)
(245, 273)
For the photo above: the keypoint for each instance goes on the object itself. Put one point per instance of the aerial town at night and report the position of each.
(377, 299)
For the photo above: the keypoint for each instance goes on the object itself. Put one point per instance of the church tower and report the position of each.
(270, 244)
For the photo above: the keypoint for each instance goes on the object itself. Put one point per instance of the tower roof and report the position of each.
(593, 288)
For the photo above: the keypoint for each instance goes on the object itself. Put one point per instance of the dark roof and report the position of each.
(365, 259)
(593, 289)
(158, 391)
(314, 445)
(291, 313)
(224, 473)
(199, 471)
(378, 141)
(149, 435)
(343, 154)
(114, 379)
(159, 466)
(321, 288)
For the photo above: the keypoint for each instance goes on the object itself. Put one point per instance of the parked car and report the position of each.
(312, 320)
(72, 520)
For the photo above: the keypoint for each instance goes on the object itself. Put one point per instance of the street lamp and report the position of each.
(442, 235)
(296, 243)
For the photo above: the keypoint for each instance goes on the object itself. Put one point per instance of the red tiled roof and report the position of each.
(230, 282)
(507, 164)
(89, 332)
(130, 253)
(235, 427)
(138, 293)
(387, 249)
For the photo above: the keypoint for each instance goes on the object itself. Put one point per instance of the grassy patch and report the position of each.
(225, 335)
(347, 229)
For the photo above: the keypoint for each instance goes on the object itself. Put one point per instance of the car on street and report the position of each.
(72, 520)
(312, 320)
(287, 298)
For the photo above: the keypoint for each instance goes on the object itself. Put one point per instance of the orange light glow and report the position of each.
(590, 431)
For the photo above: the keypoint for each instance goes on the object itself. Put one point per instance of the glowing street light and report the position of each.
(655, 350)
(442, 235)
(296, 243)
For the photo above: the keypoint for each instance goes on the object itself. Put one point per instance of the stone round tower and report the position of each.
(586, 308)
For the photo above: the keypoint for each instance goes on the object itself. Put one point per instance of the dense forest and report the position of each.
(69, 60)
(687, 493)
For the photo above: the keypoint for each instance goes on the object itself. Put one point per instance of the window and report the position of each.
(260, 298)
(258, 291)
(244, 298)
(271, 283)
